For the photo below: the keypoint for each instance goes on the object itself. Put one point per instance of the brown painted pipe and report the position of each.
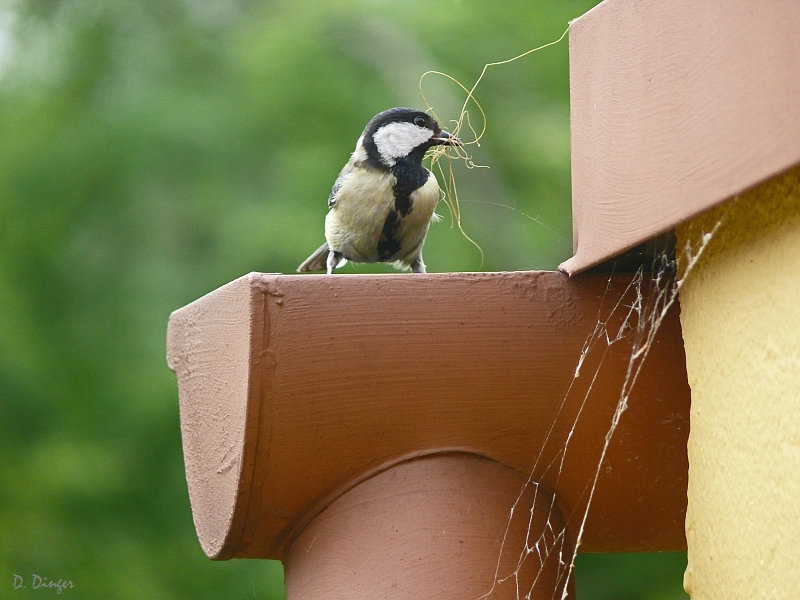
(294, 390)
(442, 526)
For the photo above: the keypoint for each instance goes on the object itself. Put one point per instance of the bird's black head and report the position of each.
(402, 134)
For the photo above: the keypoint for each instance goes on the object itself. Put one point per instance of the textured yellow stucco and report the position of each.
(740, 312)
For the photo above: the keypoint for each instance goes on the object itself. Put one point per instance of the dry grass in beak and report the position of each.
(464, 123)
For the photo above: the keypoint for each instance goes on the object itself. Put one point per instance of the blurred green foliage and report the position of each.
(153, 150)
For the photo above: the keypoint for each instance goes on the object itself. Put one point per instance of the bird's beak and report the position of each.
(445, 139)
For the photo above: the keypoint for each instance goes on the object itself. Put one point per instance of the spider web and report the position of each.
(635, 322)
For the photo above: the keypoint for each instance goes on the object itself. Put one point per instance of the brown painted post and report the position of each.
(309, 404)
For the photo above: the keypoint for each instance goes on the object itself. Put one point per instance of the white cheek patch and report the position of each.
(396, 140)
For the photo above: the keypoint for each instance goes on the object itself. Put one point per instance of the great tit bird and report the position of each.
(382, 203)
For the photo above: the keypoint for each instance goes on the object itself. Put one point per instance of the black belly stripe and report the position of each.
(389, 244)
(408, 179)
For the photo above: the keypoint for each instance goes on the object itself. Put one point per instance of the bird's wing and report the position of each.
(337, 185)
(317, 261)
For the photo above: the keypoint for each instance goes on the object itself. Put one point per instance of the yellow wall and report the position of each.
(740, 312)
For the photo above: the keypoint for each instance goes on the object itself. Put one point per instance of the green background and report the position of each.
(153, 150)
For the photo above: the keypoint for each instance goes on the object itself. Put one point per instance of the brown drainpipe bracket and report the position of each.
(296, 389)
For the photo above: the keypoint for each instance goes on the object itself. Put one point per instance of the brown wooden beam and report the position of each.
(295, 390)
(676, 106)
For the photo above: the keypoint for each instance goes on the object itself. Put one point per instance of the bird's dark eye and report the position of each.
(419, 121)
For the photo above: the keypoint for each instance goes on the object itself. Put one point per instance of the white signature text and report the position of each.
(38, 582)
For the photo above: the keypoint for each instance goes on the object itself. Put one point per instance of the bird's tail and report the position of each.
(317, 261)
